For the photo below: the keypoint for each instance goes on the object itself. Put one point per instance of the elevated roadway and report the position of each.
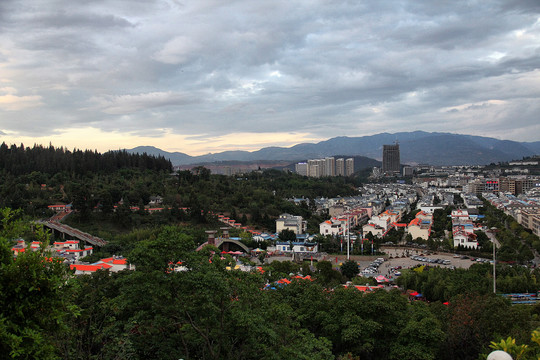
(73, 233)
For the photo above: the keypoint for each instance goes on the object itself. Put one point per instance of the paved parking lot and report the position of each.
(401, 257)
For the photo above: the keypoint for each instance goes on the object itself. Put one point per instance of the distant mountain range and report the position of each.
(416, 147)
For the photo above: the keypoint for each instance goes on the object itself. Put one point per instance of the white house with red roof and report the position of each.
(334, 226)
(82, 269)
(463, 229)
(114, 264)
(70, 249)
(464, 238)
(117, 263)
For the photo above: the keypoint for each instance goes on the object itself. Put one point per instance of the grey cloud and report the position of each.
(149, 133)
(214, 67)
(126, 104)
(522, 64)
(522, 6)
(63, 19)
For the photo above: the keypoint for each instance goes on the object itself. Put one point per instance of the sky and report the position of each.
(206, 76)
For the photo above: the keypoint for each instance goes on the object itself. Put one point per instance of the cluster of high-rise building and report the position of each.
(328, 166)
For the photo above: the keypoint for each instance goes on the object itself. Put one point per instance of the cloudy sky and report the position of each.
(211, 75)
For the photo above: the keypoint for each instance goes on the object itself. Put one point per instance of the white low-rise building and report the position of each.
(297, 247)
(463, 229)
(332, 227)
(465, 239)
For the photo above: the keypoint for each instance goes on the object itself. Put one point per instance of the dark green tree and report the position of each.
(420, 338)
(33, 313)
(171, 246)
(350, 269)
(287, 235)
(327, 276)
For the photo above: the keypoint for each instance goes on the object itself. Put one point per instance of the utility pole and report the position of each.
(494, 266)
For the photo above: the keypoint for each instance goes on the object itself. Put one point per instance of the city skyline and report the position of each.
(207, 77)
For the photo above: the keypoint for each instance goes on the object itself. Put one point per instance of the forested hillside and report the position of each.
(104, 188)
(19, 160)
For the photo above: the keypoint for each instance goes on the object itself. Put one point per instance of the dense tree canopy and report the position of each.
(32, 310)
(20, 160)
(210, 312)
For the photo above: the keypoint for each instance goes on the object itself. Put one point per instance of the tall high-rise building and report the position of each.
(314, 168)
(349, 166)
(330, 166)
(390, 161)
(340, 167)
(302, 169)
(322, 167)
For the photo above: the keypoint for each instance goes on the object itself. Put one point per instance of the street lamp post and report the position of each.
(348, 236)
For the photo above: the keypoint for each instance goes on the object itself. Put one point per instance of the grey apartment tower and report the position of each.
(391, 162)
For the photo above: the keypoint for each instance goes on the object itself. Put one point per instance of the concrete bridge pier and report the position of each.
(211, 237)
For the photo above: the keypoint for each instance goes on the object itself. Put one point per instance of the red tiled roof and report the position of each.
(82, 267)
(362, 288)
(114, 261)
